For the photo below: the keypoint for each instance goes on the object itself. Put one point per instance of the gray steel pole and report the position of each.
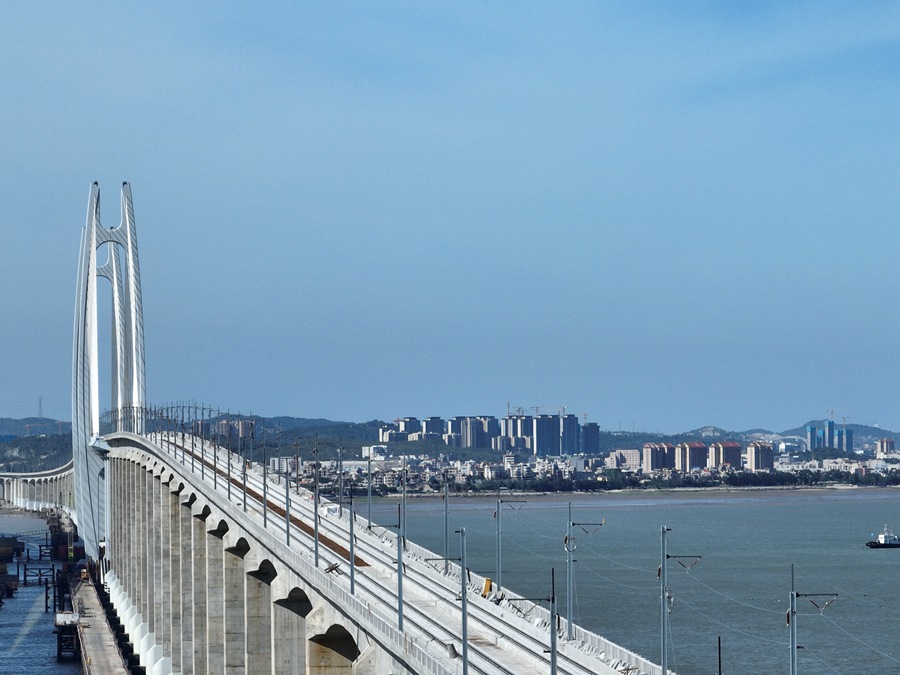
(399, 577)
(352, 548)
(553, 635)
(499, 576)
(570, 573)
(403, 501)
(446, 526)
(465, 603)
(369, 512)
(316, 501)
(792, 617)
(663, 610)
(287, 510)
(265, 499)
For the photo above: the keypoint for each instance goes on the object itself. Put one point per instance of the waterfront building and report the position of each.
(627, 460)
(760, 456)
(690, 456)
(657, 457)
(725, 454)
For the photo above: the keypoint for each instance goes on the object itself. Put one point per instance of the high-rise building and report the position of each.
(411, 425)
(455, 425)
(569, 434)
(657, 456)
(490, 427)
(545, 435)
(811, 437)
(690, 456)
(760, 456)
(590, 438)
(433, 425)
(884, 447)
(725, 454)
(845, 440)
(829, 434)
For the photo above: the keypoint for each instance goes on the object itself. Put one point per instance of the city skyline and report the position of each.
(664, 216)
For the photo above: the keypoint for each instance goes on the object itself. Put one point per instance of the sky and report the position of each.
(658, 216)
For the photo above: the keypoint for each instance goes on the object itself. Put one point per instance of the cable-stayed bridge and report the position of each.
(216, 565)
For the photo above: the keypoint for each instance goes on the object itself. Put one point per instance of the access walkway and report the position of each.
(99, 652)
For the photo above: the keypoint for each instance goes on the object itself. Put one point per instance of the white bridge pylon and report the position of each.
(128, 386)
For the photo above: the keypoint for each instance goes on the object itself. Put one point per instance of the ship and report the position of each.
(886, 539)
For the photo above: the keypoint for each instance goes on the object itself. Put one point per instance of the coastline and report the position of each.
(716, 490)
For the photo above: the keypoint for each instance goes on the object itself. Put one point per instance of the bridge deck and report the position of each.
(99, 652)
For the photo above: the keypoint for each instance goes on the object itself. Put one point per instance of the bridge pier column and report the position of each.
(215, 603)
(258, 612)
(235, 638)
(127, 559)
(147, 549)
(165, 571)
(175, 591)
(155, 554)
(289, 634)
(151, 650)
(198, 561)
(187, 590)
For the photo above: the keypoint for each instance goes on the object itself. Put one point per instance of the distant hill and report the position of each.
(33, 426)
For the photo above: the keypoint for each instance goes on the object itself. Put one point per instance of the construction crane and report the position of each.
(560, 408)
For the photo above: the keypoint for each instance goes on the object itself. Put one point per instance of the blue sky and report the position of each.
(661, 215)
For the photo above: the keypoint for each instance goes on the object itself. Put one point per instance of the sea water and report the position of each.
(27, 642)
(730, 577)
(748, 542)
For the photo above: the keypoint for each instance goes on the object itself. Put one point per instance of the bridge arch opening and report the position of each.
(204, 513)
(297, 602)
(220, 530)
(332, 652)
(266, 572)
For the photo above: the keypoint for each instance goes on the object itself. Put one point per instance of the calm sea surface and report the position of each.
(27, 642)
(739, 590)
